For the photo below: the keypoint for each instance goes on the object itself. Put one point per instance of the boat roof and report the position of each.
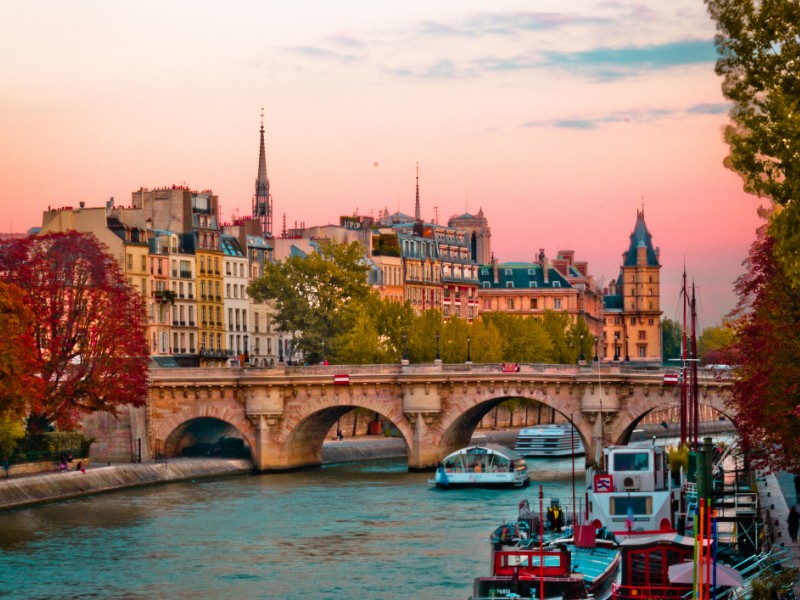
(659, 538)
(487, 449)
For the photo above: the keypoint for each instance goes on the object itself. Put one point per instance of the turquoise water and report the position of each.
(359, 530)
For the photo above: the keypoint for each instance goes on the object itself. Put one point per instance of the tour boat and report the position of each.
(549, 441)
(484, 465)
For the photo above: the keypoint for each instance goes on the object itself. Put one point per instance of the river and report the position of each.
(357, 530)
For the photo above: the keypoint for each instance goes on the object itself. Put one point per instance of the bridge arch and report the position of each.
(203, 422)
(297, 442)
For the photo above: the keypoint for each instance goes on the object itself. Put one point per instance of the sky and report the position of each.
(558, 119)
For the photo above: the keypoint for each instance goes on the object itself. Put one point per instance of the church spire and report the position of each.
(417, 215)
(262, 201)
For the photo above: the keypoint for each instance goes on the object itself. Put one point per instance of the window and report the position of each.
(533, 284)
(508, 271)
(643, 334)
(556, 284)
(616, 320)
(531, 271)
(129, 262)
(509, 304)
(650, 321)
(509, 284)
(643, 351)
(487, 304)
(534, 304)
(557, 303)
(486, 284)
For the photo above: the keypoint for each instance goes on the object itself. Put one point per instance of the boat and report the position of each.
(482, 465)
(532, 560)
(549, 441)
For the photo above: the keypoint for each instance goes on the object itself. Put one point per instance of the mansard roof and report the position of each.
(521, 275)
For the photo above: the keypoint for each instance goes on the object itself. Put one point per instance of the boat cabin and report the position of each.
(482, 465)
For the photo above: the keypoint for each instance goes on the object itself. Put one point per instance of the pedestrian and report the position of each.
(794, 523)
(6, 465)
(339, 434)
(797, 489)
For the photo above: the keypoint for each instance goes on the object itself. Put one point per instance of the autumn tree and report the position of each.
(765, 392)
(317, 296)
(758, 42)
(712, 342)
(19, 385)
(88, 327)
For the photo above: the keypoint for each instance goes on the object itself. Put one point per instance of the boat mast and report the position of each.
(684, 417)
(695, 386)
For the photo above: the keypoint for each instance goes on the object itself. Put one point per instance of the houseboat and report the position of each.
(549, 441)
(484, 465)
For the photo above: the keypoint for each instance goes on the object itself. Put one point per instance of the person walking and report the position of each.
(794, 523)
(797, 489)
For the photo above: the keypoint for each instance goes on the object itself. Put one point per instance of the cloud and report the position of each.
(318, 53)
(639, 115)
(504, 24)
(614, 63)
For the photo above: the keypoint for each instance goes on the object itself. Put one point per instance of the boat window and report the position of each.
(640, 505)
(631, 461)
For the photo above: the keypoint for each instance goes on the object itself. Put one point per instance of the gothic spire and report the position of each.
(262, 201)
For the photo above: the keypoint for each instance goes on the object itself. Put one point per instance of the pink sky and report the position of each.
(558, 119)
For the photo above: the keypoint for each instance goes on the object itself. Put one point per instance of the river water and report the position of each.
(358, 530)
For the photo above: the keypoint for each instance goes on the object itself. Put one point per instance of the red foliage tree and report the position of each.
(19, 387)
(766, 352)
(88, 328)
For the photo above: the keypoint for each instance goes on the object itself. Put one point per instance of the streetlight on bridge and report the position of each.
(469, 356)
(438, 357)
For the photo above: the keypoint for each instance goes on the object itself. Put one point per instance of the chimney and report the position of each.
(495, 274)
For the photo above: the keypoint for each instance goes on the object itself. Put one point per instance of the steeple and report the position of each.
(262, 201)
(417, 215)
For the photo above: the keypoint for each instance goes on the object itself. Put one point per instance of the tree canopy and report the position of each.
(87, 327)
(758, 42)
(19, 386)
(766, 388)
(318, 297)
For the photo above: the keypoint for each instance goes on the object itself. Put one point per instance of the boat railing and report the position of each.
(637, 592)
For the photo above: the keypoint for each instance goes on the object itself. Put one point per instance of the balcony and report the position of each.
(190, 296)
(186, 274)
(174, 323)
(164, 296)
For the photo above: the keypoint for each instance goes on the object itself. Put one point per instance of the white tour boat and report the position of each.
(546, 441)
(484, 465)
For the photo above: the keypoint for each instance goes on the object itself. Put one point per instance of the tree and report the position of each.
(765, 391)
(317, 296)
(88, 327)
(525, 338)
(712, 342)
(671, 341)
(19, 385)
(556, 325)
(759, 49)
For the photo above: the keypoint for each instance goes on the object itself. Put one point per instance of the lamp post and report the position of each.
(323, 353)
(582, 357)
(616, 345)
(596, 342)
(627, 358)
(438, 357)
(246, 352)
(280, 349)
(405, 349)
(469, 355)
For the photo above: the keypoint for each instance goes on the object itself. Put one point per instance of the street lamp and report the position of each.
(627, 358)
(469, 356)
(405, 348)
(582, 357)
(438, 357)
(246, 352)
(280, 349)
(616, 345)
(596, 341)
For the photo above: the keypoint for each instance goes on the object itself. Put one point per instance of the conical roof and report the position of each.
(640, 237)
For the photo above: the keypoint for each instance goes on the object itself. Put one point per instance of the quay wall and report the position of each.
(18, 492)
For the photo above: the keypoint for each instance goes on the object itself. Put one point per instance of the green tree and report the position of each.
(525, 338)
(422, 336)
(12, 430)
(556, 325)
(318, 296)
(759, 49)
(671, 341)
(712, 342)
(487, 345)
(454, 340)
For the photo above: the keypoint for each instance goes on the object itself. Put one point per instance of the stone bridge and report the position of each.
(285, 414)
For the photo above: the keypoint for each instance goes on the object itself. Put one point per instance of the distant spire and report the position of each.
(417, 214)
(262, 201)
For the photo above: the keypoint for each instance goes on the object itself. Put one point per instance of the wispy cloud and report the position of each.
(504, 24)
(319, 53)
(614, 63)
(641, 115)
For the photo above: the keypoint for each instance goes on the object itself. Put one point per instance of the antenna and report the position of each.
(436, 215)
